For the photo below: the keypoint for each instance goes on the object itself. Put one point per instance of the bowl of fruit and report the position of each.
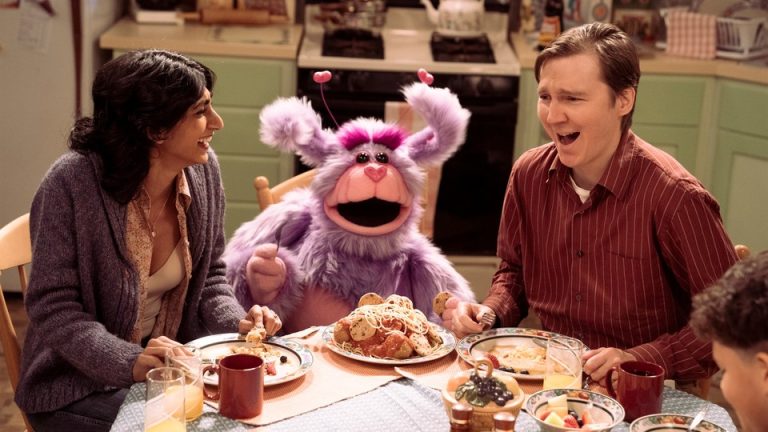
(485, 392)
(560, 410)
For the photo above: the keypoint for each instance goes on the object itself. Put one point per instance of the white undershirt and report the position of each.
(582, 193)
(166, 278)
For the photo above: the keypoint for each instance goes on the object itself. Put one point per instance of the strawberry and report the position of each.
(270, 368)
(570, 422)
(493, 360)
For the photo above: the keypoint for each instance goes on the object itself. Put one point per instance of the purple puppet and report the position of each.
(354, 230)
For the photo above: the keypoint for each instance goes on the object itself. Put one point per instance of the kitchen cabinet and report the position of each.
(740, 169)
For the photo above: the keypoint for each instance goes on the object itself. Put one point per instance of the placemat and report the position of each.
(331, 378)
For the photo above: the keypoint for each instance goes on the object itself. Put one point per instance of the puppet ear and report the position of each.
(446, 124)
(292, 125)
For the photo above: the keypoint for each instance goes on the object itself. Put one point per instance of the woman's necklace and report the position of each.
(160, 213)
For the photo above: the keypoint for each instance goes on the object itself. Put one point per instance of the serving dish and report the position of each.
(482, 416)
(606, 411)
(671, 423)
(298, 358)
(490, 341)
(448, 345)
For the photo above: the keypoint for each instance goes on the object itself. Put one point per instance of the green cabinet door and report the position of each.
(740, 171)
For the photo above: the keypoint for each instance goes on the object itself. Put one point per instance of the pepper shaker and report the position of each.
(461, 414)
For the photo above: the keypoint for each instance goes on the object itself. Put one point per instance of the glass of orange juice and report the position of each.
(164, 409)
(189, 360)
(563, 363)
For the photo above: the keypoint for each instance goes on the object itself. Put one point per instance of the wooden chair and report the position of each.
(267, 196)
(15, 251)
(742, 251)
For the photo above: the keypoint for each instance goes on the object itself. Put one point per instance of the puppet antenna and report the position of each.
(321, 78)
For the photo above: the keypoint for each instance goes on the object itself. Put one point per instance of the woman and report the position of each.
(127, 235)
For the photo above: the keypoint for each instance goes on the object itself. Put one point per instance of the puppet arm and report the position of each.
(431, 273)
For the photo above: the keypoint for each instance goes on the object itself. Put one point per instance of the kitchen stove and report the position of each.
(460, 49)
(482, 72)
(355, 43)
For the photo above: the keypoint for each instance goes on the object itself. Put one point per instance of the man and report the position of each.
(733, 314)
(605, 237)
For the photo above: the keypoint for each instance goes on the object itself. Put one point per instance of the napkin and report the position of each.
(691, 34)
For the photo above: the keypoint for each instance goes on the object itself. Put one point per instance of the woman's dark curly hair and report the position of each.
(734, 311)
(137, 96)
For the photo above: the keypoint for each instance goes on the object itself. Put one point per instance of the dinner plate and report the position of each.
(298, 358)
(449, 343)
(477, 345)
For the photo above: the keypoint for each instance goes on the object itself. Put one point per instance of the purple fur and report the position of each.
(318, 252)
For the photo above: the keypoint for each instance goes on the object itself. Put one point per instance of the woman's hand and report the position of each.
(153, 356)
(260, 316)
(463, 317)
(598, 362)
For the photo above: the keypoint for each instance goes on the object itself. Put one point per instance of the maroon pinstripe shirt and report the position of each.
(618, 270)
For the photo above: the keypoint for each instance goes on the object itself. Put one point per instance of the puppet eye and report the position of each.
(362, 158)
(382, 158)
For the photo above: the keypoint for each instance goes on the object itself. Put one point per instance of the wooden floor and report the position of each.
(10, 418)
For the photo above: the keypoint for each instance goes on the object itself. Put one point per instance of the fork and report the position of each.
(487, 319)
(697, 419)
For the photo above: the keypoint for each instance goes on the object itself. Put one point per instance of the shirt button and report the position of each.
(579, 253)
(577, 297)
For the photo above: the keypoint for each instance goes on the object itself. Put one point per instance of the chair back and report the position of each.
(15, 251)
(267, 196)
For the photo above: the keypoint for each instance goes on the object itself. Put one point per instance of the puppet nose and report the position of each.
(375, 173)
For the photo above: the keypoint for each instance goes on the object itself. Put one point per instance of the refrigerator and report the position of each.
(42, 89)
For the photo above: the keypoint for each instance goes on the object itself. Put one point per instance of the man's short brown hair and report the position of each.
(616, 53)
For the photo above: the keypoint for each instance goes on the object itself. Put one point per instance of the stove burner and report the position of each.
(464, 50)
(356, 43)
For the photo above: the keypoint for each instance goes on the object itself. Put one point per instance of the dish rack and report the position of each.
(742, 38)
(737, 38)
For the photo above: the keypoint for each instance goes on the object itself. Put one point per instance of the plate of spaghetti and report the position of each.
(284, 359)
(388, 331)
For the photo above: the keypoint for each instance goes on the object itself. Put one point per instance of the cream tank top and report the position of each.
(166, 278)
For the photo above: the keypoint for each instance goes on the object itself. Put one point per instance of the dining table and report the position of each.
(341, 393)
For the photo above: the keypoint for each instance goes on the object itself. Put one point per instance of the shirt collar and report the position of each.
(617, 174)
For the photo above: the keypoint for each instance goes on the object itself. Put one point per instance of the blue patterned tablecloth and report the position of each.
(401, 405)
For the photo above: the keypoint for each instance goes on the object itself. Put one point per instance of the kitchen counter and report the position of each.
(658, 62)
(275, 41)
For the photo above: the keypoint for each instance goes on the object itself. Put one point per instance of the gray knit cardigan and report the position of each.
(83, 294)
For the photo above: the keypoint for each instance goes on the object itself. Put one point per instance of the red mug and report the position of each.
(241, 385)
(639, 388)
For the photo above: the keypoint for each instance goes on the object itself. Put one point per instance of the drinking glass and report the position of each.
(164, 409)
(189, 360)
(563, 364)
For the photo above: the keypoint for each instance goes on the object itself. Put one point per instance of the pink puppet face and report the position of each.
(371, 197)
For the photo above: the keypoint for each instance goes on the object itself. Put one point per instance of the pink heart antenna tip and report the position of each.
(322, 77)
(426, 77)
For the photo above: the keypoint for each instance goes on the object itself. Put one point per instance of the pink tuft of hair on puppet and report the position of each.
(354, 230)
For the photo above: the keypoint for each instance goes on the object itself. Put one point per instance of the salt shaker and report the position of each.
(461, 414)
(503, 422)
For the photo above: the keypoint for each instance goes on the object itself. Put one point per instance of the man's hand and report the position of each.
(598, 362)
(265, 273)
(153, 356)
(260, 316)
(462, 317)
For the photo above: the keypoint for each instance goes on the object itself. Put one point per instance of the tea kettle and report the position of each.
(459, 18)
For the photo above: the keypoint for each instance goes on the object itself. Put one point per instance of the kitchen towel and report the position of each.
(691, 34)
(401, 114)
